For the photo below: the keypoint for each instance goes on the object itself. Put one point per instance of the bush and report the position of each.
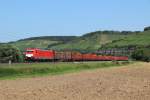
(147, 28)
(9, 52)
(142, 54)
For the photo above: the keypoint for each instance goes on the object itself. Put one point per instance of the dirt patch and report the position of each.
(125, 83)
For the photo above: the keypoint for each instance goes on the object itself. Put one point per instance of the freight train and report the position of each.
(35, 54)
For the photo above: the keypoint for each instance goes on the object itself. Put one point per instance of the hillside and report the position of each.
(140, 39)
(91, 41)
(88, 42)
(41, 42)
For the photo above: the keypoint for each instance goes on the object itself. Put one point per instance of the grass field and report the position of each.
(39, 69)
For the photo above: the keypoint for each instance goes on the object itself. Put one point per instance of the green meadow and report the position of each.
(39, 69)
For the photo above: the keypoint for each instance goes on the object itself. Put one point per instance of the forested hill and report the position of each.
(52, 38)
(41, 42)
(92, 41)
(137, 40)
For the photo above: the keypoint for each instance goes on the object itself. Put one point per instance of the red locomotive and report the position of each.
(35, 54)
(38, 54)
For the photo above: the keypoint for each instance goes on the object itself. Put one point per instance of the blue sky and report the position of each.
(29, 18)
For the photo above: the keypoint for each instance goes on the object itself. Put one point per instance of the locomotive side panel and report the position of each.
(44, 54)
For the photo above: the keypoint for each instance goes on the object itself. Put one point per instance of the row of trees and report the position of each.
(9, 52)
(142, 54)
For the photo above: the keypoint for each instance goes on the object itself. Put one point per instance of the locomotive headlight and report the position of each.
(29, 55)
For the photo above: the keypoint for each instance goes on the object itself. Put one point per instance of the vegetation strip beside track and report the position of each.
(40, 69)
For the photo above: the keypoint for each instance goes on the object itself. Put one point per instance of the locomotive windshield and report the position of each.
(29, 51)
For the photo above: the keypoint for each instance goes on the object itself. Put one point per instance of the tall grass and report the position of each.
(36, 69)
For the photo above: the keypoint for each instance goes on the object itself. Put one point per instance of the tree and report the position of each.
(9, 52)
(142, 54)
(147, 28)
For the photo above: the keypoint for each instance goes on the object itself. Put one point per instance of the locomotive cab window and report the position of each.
(29, 51)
